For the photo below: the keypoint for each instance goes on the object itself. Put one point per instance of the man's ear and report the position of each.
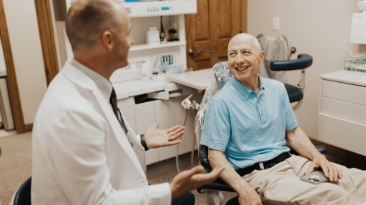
(107, 40)
(261, 56)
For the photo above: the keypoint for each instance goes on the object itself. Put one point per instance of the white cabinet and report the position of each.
(153, 55)
(145, 117)
(165, 116)
(128, 84)
(167, 113)
(143, 16)
(161, 15)
(127, 107)
(342, 112)
(160, 8)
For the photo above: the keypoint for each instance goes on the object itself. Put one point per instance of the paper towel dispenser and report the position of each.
(358, 27)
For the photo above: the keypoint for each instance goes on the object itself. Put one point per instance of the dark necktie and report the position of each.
(113, 101)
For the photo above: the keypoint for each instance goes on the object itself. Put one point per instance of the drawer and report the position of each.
(342, 133)
(127, 107)
(344, 110)
(344, 92)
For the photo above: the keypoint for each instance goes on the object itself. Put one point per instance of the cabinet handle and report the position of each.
(193, 53)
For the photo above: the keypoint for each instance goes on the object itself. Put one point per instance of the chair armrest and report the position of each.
(218, 184)
(203, 157)
(303, 61)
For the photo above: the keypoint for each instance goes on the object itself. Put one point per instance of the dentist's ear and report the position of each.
(107, 39)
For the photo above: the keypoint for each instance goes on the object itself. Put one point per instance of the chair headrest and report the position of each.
(222, 73)
(303, 61)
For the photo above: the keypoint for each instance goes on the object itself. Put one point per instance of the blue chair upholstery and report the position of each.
(303, 61)
(23, 195)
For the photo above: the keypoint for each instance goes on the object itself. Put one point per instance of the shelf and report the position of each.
(157, 46)
(160, 8)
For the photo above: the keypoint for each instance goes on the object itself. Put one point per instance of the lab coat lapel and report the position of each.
(124, 140)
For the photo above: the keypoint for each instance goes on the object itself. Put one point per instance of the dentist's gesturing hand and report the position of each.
(192, 179)
(155, 137)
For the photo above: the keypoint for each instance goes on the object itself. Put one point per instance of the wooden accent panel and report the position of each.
(224, 58)
(11, 76)
(206, 63)
(45, 26)
(228, 23)
(210, 30)
(243, 16)
(199, 28)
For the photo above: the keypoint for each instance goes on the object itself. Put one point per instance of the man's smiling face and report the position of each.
(244, 57)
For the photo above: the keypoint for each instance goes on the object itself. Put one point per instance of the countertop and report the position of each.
(194, 79)
(138, 87)
(346, 76)
(198, 79)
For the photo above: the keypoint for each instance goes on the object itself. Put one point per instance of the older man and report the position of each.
(249, 128)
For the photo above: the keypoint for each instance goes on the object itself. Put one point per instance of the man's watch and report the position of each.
(143, 142)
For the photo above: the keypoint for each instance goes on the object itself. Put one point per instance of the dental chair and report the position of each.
(295, 93)
(23, 195)
(218, 77)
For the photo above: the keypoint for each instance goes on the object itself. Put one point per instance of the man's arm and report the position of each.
(300, 142)
(247, 195)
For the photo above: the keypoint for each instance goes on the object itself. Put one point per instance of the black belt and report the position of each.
(264, 165)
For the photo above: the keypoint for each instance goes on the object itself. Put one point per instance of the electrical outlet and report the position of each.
(276, 23)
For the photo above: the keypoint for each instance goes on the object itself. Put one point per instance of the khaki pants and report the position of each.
(281, 184)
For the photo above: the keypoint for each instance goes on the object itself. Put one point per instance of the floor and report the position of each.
(15, 167)
(4, 133)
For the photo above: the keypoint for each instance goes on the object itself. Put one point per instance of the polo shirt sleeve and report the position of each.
(216, 126)
(290, 118)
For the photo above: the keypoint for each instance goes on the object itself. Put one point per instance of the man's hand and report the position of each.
(192, 179)
(300, 142)
(330, 171)
(159, 138)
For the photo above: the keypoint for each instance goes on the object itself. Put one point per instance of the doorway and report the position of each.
(11, 81)
(209, 31)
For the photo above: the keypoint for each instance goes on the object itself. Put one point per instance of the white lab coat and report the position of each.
(81, 154)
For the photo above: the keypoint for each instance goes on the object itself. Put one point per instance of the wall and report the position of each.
(320, 28)
(27, 54)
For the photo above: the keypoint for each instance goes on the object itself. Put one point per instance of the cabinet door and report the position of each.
(165, 115)
(145, 117)
(127, 107)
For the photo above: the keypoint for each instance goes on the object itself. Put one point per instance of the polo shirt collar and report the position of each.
(246, 92)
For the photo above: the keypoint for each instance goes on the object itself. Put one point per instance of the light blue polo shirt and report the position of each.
(249, 127)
